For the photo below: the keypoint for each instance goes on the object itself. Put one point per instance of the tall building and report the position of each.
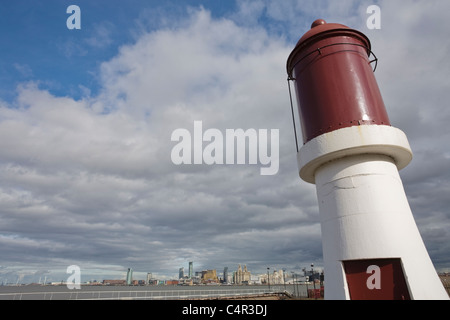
(149, 277)
(276, 277)
(129, 276)
(191, 269)
(226, 278)
(242, 276)
(181, 273)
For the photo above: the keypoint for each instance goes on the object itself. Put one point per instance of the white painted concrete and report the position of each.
(375, 139)
(363, 208)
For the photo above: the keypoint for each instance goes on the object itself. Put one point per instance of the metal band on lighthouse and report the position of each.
(372, 248)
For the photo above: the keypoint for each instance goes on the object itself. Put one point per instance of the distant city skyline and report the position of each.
(129, 274)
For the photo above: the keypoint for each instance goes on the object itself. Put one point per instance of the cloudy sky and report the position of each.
(86, 118)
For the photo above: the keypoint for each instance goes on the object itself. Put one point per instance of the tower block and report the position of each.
(372, 248)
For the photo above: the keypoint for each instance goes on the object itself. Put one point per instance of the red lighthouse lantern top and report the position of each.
(334, 81)
(321, 29)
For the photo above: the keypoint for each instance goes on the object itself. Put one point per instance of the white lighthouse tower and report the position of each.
(372, 248)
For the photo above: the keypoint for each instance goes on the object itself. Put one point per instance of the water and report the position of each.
(36, 292)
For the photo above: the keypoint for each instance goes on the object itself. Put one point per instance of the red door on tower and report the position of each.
(376, 279)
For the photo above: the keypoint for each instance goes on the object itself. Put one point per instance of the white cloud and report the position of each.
(101, 35)
(91, 180)
(24, 70)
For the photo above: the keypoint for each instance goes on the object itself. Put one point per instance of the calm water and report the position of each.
(49, 292)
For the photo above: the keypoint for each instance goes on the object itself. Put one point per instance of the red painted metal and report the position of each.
(392, 280)
(334, 80)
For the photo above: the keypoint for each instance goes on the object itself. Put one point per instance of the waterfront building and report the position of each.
(129, 276)
(114, 282)
(242, 276)
(209, 276)
(191, 269)
(226, 277)
(149, 278)
(181, 273)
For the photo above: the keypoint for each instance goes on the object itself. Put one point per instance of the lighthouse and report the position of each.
(372, 248)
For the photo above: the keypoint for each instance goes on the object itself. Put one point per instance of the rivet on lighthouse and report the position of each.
(372, 248)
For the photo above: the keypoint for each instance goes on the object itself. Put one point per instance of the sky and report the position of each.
(87, 115)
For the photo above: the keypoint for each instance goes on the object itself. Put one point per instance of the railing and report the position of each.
(154, 294)
(164, 294)
(132, 294)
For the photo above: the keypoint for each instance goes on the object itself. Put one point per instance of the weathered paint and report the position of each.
(334, 81)
(365, 214)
